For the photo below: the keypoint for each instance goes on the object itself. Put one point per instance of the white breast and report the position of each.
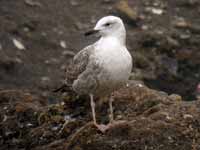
(116, 62)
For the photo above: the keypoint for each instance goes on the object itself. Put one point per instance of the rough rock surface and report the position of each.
(153, 120)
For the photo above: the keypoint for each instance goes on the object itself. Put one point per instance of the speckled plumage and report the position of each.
(90, 72)
(103, 67)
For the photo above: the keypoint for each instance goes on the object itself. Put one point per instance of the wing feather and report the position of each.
(78, 65)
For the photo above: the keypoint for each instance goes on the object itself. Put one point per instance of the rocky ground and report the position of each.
(37, 40)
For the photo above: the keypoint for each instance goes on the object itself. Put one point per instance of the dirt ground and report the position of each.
(37, 40)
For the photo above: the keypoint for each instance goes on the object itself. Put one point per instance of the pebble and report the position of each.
(43, 33)
(45, 79)
(145, 27)
(74, 2)
(175, 97)
(153, 10)
(173, 42)
(5, 117)
(18, 60)
(55, 128)
(18, 44)
(80, 26)
(187, 116)
(68, 53)
(185, 36)
(32, 3)
(63, 44)
(181, 23)
(52, 61)
(107, 1)
(157, 11)
(29, 125)
(63, 67)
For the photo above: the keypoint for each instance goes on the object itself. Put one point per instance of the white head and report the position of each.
(110, 26)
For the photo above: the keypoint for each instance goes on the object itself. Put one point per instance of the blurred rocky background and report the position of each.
(39, 37)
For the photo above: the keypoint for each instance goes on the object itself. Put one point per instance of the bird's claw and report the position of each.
(103, 128)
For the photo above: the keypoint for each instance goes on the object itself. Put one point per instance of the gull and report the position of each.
(103, 67)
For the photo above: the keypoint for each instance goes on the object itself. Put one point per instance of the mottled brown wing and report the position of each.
(78, 65)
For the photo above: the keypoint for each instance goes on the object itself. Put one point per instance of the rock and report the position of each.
(146, 113)
(128, 12)
(152, 114)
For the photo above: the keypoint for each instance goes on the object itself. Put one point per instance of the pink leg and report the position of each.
(92, 103)
(101, 127)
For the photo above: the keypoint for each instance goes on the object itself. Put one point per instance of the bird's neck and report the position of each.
(114, 38)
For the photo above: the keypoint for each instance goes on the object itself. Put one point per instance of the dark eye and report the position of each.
(107, 24)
